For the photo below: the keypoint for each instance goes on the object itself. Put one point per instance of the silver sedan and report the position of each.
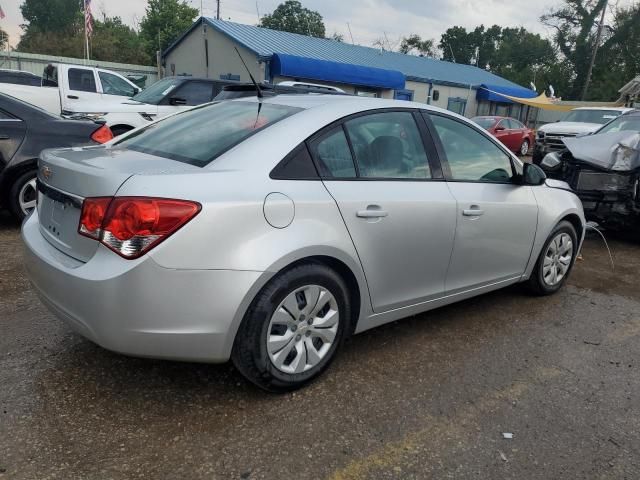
(268, 231)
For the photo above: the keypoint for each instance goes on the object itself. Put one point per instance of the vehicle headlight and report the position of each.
(89, 115)
(551, 161)
(540, 134)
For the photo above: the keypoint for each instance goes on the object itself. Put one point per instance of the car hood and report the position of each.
(616, 151)
(575, 128)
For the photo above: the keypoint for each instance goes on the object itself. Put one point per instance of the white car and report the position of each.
(580, 121)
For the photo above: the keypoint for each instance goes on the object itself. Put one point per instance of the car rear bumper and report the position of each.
(137, 307)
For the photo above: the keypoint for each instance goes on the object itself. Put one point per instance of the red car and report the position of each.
(513, 134)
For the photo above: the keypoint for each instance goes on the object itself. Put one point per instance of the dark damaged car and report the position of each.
(604, 171)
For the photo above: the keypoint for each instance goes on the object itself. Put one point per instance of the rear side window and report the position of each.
(200, 135)
(194, 93)
(333, 155)
(82, 80)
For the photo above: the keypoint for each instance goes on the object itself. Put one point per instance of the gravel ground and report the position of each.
(427, 397)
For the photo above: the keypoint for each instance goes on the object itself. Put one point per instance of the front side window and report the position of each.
(194, 93)
(200, 135)
(333, 155)
(515, 124)
(388, 145)
(472, 157)
(114, 85)
(82, 80)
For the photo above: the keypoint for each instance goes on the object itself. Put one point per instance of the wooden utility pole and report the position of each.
(217, 9)
(595, 51)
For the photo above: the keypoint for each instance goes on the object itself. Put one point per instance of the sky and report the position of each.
(369, 20)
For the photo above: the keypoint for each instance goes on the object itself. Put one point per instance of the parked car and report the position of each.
(166, 96)
(579, 121)
(269, 231)
(19, 77)
(513, 134)
(604, 170)
(67, 88)
(25, 130)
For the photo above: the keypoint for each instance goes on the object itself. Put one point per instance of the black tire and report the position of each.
(536, 284)
(250, 354)
(14, 193)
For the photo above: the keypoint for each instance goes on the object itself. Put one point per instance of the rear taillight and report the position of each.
(131, 226)
(102, 134)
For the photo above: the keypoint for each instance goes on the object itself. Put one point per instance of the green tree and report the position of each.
(575, 35)
(51, 15)
(415, 45)
(113, 41)
(3, 39)
(457, 45)
(338, 37)
(291, 16)
(163, 23)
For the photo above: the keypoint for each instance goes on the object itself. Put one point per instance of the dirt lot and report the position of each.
(427, 397)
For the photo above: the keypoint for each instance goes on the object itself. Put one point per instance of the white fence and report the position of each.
(35, 63)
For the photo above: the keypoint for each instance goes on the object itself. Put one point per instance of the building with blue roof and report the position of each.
(207, 50)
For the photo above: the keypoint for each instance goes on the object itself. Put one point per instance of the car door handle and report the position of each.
(371, 213)
(472, 212)
(4, 137)
(72, 97)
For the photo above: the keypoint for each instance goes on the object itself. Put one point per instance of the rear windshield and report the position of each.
(485, 122)
(200, 135)
(591, 116)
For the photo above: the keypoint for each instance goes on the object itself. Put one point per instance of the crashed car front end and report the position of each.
(604, 171)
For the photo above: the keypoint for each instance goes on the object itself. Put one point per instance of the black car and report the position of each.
(604, 170)
(26, 130)
(20, 77)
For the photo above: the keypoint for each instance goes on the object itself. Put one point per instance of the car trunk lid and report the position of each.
(66, 177)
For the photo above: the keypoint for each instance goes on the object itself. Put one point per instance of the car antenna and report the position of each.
(253, 80)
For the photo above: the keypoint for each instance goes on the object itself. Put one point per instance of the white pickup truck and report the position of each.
(68, 88)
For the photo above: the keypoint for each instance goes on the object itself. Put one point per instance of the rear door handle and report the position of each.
(72, 97)
(371, 213)
(472, 212)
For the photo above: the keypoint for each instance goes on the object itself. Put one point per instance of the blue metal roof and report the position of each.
(265, 42)
(324, 70)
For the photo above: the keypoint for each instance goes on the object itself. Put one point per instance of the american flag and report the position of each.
(88, 23)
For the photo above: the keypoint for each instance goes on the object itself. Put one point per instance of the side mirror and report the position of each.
(550, 161)
(533, 175)
(177, 101)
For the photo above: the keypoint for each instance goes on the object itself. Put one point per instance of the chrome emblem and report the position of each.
(46, 172)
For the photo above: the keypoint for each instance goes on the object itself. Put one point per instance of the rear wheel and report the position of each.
(524, 148)
(555, 261)
(293, 328)
(23, 194)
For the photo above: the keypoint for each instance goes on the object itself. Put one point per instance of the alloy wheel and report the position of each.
(302, 329)
(557, 259)
(27, 196)
(524, 148)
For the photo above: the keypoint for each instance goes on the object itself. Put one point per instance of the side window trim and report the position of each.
(429, 140)
(443, 156)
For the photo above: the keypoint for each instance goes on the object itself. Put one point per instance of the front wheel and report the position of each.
(23, 194)
(293, 328)
(555, 261)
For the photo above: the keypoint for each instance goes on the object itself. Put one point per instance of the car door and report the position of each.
(384, 176)
(496, 216)
(12, 132)
(79, 86)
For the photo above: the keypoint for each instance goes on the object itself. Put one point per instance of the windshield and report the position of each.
(624, 123)
(485, 122)
(591, 116)
(156, 92)
(200, 135)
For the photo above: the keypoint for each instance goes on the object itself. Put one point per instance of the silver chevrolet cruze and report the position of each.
(268, 231)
